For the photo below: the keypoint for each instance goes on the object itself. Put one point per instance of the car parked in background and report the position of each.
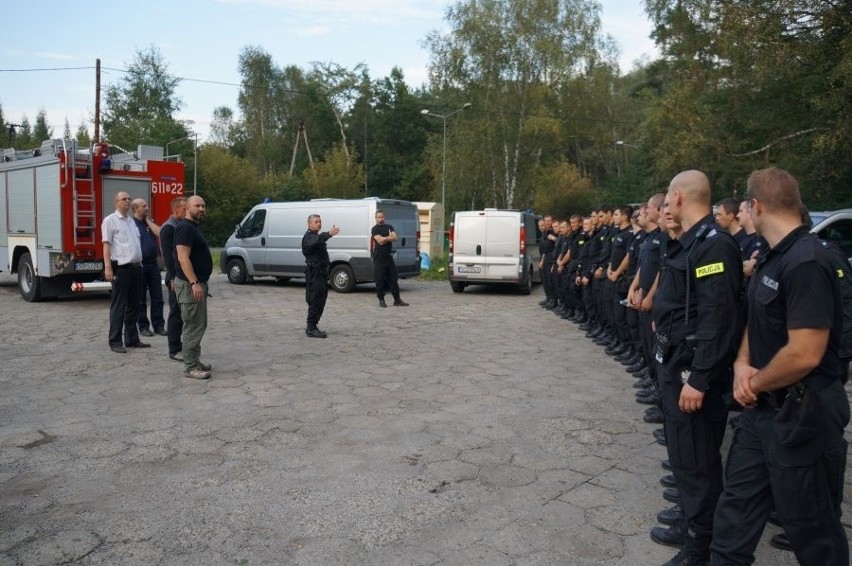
(835, 227)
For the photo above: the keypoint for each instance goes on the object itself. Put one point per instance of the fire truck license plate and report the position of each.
(88, 266)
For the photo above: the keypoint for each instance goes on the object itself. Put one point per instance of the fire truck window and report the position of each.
(253, 226)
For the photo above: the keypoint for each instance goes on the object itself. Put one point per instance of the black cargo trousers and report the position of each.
(694, 441)
(385, 276)
(316, 292)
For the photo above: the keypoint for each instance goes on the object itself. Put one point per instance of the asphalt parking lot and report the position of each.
(464, 429)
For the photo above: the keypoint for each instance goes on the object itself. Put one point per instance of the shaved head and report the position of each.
(688, 198)
(693, 185)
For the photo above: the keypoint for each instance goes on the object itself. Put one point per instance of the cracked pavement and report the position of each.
(465, 429)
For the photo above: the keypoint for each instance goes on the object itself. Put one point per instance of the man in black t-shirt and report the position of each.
(789, 447)
(384, 268)
(192, 271)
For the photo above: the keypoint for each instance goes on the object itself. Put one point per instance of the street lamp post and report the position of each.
(443, 117)
(624, 144)
(194, 157)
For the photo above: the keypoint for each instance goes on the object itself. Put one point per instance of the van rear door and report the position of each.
(405, 219)
(503, 237)
(469, 244)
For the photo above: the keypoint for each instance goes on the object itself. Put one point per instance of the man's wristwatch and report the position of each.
(193, 284)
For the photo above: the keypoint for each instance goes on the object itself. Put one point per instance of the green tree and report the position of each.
(230, 186)
(512, 60)
(82, 136)
(142, 107)
(334, 176)
(753, 84)
(24, 135)
(391, 136)
(41, 131)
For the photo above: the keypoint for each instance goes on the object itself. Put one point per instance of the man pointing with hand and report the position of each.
(316, 272)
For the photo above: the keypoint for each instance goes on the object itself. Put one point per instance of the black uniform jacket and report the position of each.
(701, 280)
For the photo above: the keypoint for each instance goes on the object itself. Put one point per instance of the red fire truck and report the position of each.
(52, 202)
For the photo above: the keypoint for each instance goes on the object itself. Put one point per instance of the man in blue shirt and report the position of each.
(148, 234)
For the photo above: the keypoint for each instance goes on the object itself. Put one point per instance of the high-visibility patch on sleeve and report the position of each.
(840, 274)
(709, 269)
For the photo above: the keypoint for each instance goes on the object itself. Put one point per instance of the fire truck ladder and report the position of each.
(83, 193)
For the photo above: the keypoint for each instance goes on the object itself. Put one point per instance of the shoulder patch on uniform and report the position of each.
(712, 233)
(840, 274)
(709, 269)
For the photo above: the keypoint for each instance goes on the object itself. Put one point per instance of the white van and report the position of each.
(268, 242)
(493, 246)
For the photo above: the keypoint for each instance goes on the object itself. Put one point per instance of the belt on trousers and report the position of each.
(135, 264)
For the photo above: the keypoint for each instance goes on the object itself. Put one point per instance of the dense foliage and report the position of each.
(552, 124)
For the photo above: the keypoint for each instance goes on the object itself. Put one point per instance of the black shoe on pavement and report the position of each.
(640, 374)
(628, 358)
(781, 542)
(674, 535)
(643, 383)
(692, 553)
(383, 304)
(671, 494)
(145, 332)
(654, 417)
(638, 366)
(161, 332)
(551, 306)
(670, 516)
(315, 333)
(652, 399)
(138, 344)
(668, 481)
(177, 356)
(543, 302)
(660, 435)
(400, 303)
(666, 464)
(118, 349)
(585, 326)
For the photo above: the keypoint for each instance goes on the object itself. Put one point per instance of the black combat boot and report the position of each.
(695, 551)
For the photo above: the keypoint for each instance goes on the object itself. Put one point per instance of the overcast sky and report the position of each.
(202, 39)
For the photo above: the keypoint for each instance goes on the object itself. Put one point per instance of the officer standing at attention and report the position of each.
(384, 268)
(698, 323)
(545, 265)
(123, 268)
(788, 447)
(316, 272)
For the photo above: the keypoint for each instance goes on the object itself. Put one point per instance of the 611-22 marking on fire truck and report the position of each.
(161, 188)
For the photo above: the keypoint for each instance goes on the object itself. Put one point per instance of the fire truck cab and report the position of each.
(54, 198)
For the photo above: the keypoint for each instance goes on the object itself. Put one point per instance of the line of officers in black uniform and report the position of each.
(667, 289)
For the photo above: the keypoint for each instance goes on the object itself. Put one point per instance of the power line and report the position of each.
(247, 85)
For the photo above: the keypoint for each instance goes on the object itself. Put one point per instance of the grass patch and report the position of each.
(217, 254)
(437, 271)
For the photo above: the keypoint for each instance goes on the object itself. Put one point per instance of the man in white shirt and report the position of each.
(123, 268)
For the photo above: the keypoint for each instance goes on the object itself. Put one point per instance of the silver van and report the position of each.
(268, 242)
(835, 227)
(493, 246)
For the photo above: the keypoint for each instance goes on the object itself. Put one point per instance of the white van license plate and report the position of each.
(470, 269)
